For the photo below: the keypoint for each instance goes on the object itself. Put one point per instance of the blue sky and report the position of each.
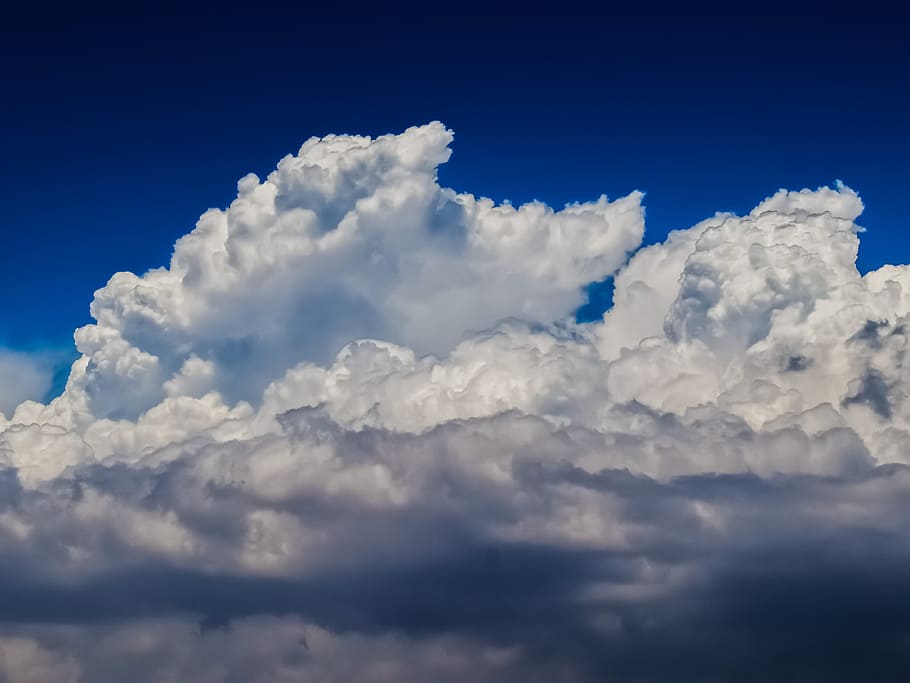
(120, 128)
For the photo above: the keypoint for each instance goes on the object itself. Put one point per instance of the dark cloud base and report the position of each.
(775, 596)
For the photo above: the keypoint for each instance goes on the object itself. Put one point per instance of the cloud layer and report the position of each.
(353, 432)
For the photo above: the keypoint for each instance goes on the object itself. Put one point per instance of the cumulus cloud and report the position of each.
(353, 432)
(352, 237)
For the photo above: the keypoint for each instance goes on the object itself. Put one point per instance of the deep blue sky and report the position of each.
(120, 127)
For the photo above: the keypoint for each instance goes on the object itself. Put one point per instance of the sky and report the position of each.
(121, 127)
(455, 343)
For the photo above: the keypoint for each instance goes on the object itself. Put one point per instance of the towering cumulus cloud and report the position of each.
(352, 432)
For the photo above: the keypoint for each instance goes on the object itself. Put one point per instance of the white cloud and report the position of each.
(352, 237)
(23, 376)
(354, 388)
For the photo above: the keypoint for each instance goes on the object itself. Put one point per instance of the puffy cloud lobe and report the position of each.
(353, 432)
(352, 237)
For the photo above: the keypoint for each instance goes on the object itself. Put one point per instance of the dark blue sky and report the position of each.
(120, 127)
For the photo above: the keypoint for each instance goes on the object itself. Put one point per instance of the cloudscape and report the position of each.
(354, 431)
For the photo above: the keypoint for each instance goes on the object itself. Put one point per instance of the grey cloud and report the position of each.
(812, 600)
